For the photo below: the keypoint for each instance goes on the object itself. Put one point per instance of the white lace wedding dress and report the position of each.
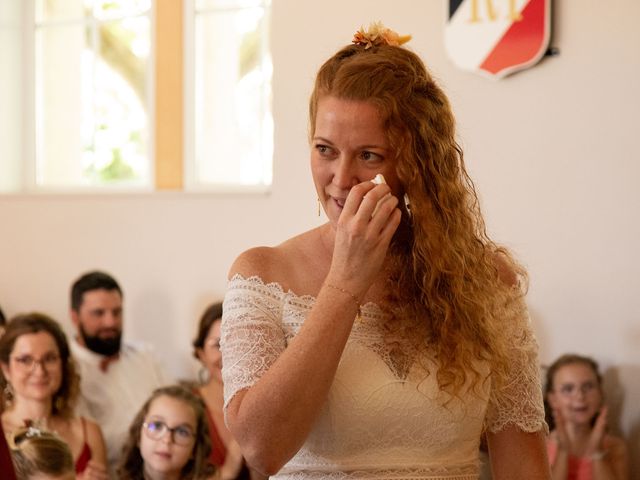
(385, 416)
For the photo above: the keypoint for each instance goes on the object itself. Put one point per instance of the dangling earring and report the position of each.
(318, 206)
(204, 376)
(8, 395)
(407, 205)
(59, 403)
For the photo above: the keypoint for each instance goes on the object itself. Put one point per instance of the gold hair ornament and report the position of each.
(378, 34)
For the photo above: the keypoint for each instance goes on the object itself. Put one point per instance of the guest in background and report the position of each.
(117, 377)
(6, 464)
(225, 451)
(40, 385)
(579, 446)
(168, 439)
(40, 455)
(3, 322)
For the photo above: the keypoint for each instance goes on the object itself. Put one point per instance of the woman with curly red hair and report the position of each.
(384, 343)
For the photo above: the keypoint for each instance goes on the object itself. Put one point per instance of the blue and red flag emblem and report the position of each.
(497, 37)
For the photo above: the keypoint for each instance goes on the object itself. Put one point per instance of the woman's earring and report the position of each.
(318, 206)
(407, 205)
(8, 395)
(204, 376)
(60, 404)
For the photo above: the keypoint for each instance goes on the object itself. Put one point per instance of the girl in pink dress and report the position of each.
(579, 447)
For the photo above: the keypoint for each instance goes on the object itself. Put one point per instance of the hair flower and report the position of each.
(31, 429)
(378, 34)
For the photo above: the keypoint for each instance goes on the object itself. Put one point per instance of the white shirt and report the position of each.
(114, 397)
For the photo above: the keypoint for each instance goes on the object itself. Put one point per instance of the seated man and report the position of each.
(116, 377)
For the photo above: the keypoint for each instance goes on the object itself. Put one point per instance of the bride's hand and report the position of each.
(362, 238)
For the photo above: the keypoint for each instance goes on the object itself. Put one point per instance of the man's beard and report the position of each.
(102, 346)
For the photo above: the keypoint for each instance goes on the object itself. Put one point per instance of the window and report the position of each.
(232, 134)
(100, 85)
(11, 93)
(91, 76)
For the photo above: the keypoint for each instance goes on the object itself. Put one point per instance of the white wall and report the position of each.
(552, 150)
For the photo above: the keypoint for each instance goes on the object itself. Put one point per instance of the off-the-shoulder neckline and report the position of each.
(306, 298)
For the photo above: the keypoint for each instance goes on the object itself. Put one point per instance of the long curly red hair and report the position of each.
(446, 269)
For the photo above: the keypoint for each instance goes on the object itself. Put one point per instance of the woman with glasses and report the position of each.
(579, 446)
(39, 385)
(225, 451)
(168, 439)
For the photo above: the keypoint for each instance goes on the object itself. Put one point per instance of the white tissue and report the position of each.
(378, 179)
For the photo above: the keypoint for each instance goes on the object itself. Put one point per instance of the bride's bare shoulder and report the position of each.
(257, 261)
(273, 263)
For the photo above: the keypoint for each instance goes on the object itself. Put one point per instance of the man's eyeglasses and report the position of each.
(28, 363)
(157, 429)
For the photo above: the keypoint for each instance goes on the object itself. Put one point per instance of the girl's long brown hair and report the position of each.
(446, 270)
(198, 467)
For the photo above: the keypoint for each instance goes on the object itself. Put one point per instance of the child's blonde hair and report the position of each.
(36, 451)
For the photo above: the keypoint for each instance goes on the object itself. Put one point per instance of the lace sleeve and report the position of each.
(519, 401)
(252, 337)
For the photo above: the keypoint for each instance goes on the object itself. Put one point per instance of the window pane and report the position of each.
(65, 10)
(61, 10)
(110, 9)
(116, 106)
(10, 96)
(233, 124)
(58, 105)
(227, 4)
(91, 107)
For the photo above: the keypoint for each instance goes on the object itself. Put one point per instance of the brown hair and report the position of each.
(198, 467)
(564, 360)
(90, 281)
(64, 400)
(445, 267)
(35, 451)
(208, 318)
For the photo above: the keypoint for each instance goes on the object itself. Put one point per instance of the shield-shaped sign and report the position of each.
(497, 37)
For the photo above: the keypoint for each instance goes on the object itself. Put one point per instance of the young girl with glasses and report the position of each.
(579, 446)
(168, 439)
(39, 384)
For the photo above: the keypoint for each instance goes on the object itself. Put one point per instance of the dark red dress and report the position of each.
(85, 454)
(6, 465)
